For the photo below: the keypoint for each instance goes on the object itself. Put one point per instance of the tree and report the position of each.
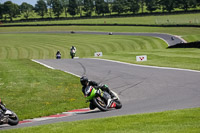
(73, 7)
(41, 8)
(57, 8)
(142, 5)
(88, 7)
(49, 5)
(185, 4)
(11, 9)
(119, 6)
(99, 6)
(106, 8)
(26, 9)
(1, 11)
(80, 5)
(65, 4)
(102, 7)
(133, 6)
(198, 2)
(167, 5)
(152, 5)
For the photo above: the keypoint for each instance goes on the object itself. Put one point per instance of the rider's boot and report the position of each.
(1, 116)
(92, 106)
(109, 102)
(2, 119)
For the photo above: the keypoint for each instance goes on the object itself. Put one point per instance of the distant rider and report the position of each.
(73, 51)
(85, 82)
(58, 55)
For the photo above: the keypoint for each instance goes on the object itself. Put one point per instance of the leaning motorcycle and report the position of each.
(101, 98)
(7, 116)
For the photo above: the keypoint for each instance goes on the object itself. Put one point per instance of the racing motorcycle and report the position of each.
(7, 116)
(58, 56)
(72, 53)
(102, 99)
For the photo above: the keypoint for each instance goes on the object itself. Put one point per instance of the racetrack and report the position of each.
(142, 89)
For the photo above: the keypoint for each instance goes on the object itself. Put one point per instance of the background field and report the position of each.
(188, 33)
(123, 48)
(186, 19)
(181, 121)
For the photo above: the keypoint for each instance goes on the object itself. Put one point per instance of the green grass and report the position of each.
(123, 48)
(32, 90)
(188, 33)
(180, 121)
(44, 46)
(187, 19)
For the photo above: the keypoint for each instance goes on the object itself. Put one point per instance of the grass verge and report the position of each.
(31, 90)
(180, 121)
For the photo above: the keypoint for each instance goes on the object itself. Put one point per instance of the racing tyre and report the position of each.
(100, 103)
(118, 104)
(13, 120)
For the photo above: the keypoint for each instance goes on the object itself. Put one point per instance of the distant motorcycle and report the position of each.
(7, 116)
(58, 56)
(100, 99)
(72, 53)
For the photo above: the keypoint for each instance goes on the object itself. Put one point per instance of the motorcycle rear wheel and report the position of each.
(100, 103)
(13, 120)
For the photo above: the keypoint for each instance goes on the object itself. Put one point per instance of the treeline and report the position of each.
(54, 8)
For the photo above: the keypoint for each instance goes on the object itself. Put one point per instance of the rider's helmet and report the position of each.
(84, 80)
(72, 47)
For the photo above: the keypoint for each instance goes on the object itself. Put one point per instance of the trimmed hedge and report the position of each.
(150, 25)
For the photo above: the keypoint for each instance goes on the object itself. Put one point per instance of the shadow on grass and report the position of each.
(186, 45)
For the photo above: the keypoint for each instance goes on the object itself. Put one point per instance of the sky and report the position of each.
(19, 2)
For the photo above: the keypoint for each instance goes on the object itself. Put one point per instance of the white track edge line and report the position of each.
(167, 68)
(54, 68)
(42, 64)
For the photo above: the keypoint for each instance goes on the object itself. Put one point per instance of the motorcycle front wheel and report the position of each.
(13, 120)
(118, 104)
(72, 55)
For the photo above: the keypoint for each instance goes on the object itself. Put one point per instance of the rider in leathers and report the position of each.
(85, 82)
(3, 109)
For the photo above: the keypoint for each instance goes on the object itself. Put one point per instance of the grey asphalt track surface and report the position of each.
(142, 89)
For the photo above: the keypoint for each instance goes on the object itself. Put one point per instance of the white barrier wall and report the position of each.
(141, 58)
